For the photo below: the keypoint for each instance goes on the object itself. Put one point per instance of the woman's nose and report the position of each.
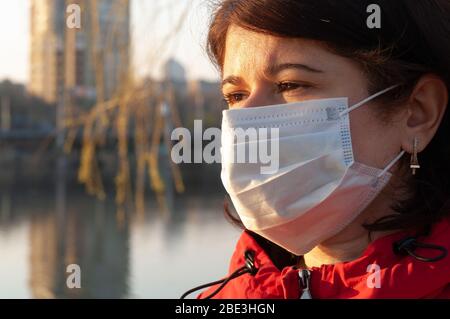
(261, 97)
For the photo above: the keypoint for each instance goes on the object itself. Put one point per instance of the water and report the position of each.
(159, 253)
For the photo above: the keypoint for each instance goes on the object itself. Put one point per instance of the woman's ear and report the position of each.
(426, 107)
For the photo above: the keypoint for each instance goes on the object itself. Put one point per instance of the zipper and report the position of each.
(304, 280)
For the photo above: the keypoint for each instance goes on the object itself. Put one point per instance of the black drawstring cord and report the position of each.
(409, 244)
(248, 268)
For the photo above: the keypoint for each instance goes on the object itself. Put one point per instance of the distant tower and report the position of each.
(47, 46)
(174, 71)
(62, 57)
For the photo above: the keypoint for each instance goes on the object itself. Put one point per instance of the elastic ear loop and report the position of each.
(366, 100)
(387, 168)
(392, 163)
(361, 103)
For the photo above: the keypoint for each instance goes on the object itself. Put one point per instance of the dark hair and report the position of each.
(414, 39)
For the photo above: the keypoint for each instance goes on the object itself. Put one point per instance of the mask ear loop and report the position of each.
(366, 100)
(387, 168)
(392, 163)
(361, 103)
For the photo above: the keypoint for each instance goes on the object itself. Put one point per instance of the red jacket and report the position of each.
(400, 276)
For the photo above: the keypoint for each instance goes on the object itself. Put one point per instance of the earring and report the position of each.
(414, 164)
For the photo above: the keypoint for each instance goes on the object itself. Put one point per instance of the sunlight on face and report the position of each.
(261, 70)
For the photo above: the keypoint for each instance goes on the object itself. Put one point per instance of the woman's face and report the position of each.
(262, 70)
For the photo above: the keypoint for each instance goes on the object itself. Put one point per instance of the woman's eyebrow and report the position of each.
(232, 79)
(272, 70)
(277, 68)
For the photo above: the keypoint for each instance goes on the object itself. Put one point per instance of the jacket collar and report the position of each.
(379, 273)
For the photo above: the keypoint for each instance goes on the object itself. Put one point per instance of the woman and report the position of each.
(360, 204)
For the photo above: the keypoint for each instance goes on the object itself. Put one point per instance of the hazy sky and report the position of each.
(151, 20)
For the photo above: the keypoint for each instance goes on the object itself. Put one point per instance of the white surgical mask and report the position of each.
(318, 188)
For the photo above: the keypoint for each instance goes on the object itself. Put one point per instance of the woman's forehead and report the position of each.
(246, 50)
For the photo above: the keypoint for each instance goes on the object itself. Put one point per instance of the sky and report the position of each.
(151, 21)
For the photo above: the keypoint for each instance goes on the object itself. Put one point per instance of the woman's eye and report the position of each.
(233, 98)
(289, 86)
(236, 97)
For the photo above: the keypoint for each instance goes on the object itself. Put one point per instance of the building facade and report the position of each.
(91, 60)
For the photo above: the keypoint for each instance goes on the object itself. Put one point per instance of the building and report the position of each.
(91, 61)
(174, 71)
(47, 42)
